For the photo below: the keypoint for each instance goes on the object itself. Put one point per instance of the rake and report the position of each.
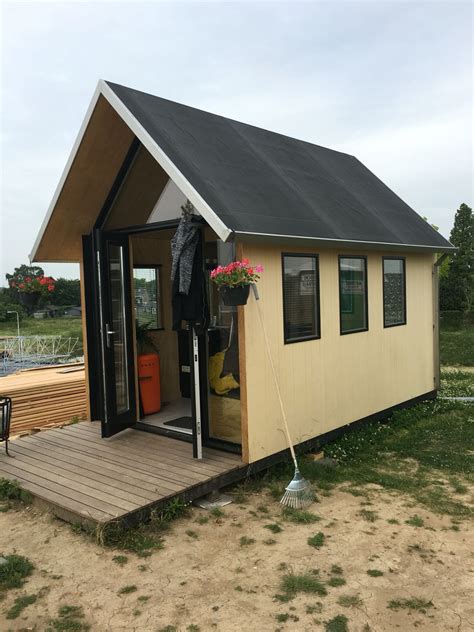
(298, 494)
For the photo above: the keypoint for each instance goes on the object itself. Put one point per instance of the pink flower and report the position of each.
(258, 268)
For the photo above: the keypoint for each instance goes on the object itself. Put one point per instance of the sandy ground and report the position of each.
(195, 581)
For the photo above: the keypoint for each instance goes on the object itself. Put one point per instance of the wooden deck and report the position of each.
(84, 478)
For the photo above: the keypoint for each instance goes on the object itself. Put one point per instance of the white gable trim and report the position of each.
(65, 172)
(155, 150)
(162, 159)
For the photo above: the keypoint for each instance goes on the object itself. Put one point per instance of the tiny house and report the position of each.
(348, 293)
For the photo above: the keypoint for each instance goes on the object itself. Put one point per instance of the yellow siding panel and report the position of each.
(333, 381)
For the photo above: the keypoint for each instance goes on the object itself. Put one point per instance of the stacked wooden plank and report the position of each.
(46, 397)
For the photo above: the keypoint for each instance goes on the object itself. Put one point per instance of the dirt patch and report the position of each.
(223, 574)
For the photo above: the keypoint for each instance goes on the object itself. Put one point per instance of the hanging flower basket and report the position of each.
(29, 299)
(234, 281)
(234, 295)
(31, 284)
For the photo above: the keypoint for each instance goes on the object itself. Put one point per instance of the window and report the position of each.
(394, 295)
(300, 297)
(148, 296)
(353, 294)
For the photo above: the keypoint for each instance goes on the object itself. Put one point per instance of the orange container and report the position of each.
(149, 381)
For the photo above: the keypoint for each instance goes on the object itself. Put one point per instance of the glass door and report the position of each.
(115, 308)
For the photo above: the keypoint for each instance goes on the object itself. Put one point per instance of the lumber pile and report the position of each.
(45, 398)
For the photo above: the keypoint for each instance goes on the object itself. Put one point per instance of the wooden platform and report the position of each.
(46, 396)
(84, 478)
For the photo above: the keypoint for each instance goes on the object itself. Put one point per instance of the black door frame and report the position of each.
(96, 383)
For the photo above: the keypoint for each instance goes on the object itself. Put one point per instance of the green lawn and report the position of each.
(457, 345)
(65, 327)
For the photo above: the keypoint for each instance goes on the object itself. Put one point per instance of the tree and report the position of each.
(67, 292)
(457, 286)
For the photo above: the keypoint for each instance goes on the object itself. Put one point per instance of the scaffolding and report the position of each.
(26, 352)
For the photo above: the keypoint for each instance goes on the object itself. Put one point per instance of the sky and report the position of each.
(388, 82)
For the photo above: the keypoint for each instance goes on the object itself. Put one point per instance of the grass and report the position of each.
(457, 383)
(146, 537)
(217, 512)
(370, 516)
(337, 624)
(415, 521)
(336, 570)
(14, 572)
(126, 590)
(457, 345)
(65, 327)
(292, 584)
(69, 619)
(192, 534)
(374, 572)
(317, 540)
(299, 516)
(350, 601)
(335, 581)
(274, 527)
(245, 541)
(19, 605)
(414, 603)
(121, 560)
(409, 455)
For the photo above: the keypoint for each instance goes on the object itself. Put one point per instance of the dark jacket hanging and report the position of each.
(193, 306)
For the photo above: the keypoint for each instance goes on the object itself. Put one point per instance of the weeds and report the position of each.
(121, 560)
(415, 521)
(414, 603)
(14, 571)
(192, 534)
(69, 620)
(350, 601)
(19, 605)
(274, 527)
(335, 581)
(126, 590)
(374, 572)
(370, 516)
(202, 520)
(292, 584)
(336, 570)
(245, 541)
(338, 624)
(317, 540)
(299, 516)
(269, 541)
(217, 512)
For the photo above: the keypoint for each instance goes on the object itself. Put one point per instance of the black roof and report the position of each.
(261, 182)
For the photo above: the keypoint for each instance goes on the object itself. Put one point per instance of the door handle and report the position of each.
(108, 333)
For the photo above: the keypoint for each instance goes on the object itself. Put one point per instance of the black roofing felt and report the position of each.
(258, 181)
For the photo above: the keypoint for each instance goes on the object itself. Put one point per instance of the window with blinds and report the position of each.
(394, 294)
(300, 297)
(148, 311)
(353, 294)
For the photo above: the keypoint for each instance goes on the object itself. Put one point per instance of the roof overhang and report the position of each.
(336, 243)
(103, 140)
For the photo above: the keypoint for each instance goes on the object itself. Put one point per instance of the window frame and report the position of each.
(365, 259)
(157, 267)
(403, 259)
(317, 297)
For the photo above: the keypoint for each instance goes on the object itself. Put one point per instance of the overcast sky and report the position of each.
(390, 82)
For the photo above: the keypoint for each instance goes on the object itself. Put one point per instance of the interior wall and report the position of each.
(330, 382)
(154, 249)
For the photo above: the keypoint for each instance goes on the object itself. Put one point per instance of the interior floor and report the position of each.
(172, 411)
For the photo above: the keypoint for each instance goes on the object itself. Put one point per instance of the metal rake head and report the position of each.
(299, 493)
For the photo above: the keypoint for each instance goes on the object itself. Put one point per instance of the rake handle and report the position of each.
(275, 378)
